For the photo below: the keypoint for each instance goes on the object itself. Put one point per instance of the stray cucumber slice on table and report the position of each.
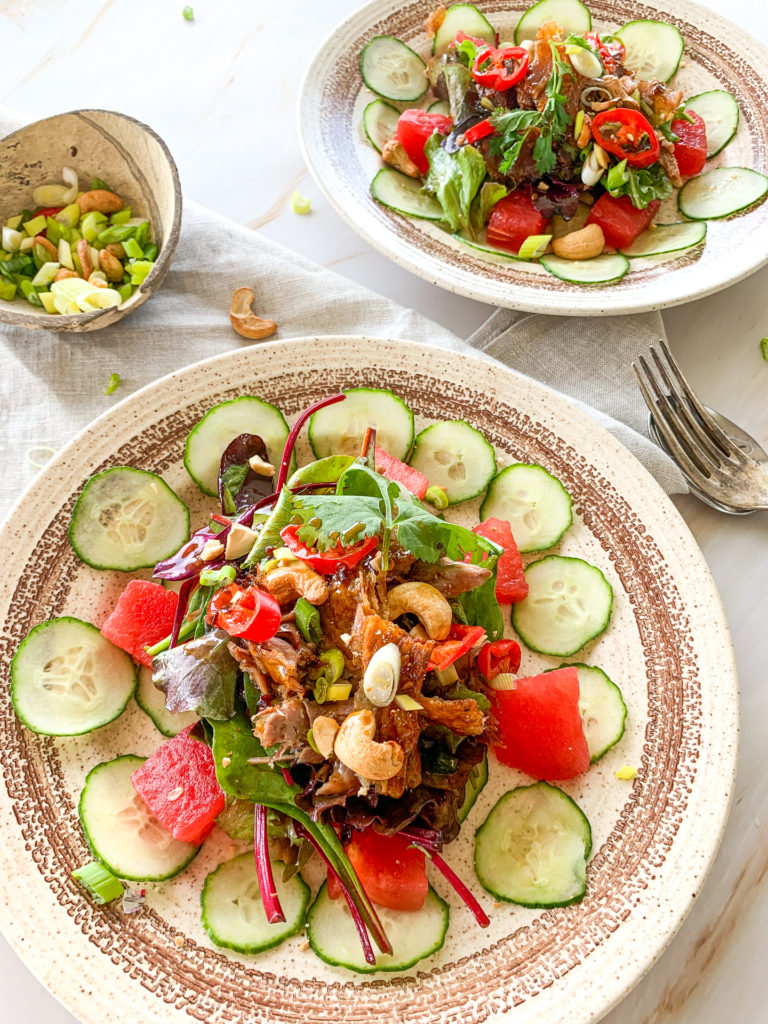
(456, 456)
(667, 238)
(151, 700)
(121, 831)
(414, 936)
(404, 195)
(462, 18)
(339, 429)
(233, 912)
(570, 15)
(67, 679)
(721, 192)
(380, 123)
(440, 107)
(602, 709)
(720, 113)
(478, 777)
(568, 604)
(653, 49)
(532, 849)
(479, 245)
(533, 502)
(208, 438)
(599, 270)
(127, 519)
(393, 70)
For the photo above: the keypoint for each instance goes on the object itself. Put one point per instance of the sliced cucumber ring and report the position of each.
(393, 70)
(232, 911)
(127, 519)
(380, 123)
(476, 782)
(571, 16)
(67, 679)
(462, 18)
(440, 107)
(568, 604)
(533, 502)
(532, 849)
(721, 192)
(599, 270)
(720, 113)
(208, 438)
(653, 48)
(339, 429)
(491, 252)
(121, 831)
(414, 936)
(403, 194)
(667, 238)
(456, 456)
(152, 702)
(602, 709)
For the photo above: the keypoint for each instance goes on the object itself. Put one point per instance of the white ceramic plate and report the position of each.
(718, 56)
(654, 837)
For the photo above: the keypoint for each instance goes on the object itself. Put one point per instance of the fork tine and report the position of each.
(708, 449)
(660, 413)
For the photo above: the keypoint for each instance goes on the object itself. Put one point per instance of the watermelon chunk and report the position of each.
(394, 469)
(510, 578)
(390, 869)
(142, 617)
(178, 784)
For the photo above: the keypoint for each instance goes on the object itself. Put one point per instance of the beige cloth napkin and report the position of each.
(52, 385)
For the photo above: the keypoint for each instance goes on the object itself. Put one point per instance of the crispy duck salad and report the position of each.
(559, 144)
(331, 675)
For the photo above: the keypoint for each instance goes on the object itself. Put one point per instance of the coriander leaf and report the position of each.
(360, 479)
(643, 185)
(543, 154)
(511, 130)
(454, 179)
(328, 518)
(479, 607)
(483, 203)
(429, 538)
(199, 676)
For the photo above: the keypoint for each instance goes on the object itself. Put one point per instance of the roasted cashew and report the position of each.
(84, 255)
(356, 748)
(244, 320)
(426, 603)
(63, 273)
(111, 265)
(395, 155)
(324, 730)
(289, 582)
(48, 245)
(100, 200)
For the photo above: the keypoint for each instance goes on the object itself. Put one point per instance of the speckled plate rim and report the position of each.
(96, 978)
(328, 139)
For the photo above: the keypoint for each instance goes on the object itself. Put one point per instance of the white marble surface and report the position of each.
(222, 91)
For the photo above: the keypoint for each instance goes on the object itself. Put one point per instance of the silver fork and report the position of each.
(714, 465)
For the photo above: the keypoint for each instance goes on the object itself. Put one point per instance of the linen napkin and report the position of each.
(52, 384)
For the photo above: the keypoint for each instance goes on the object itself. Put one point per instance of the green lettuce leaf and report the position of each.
(454, 179)
(198, 676)
(479, 607)
(483, 203)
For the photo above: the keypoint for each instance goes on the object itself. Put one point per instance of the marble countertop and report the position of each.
(221, 91)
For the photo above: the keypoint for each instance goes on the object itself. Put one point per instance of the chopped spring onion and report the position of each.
(69, 216)
(114, 384)
(74, 292)
(40, 448)
(218, 577)
(29, 293)
(188, 13)
(299, 204)
(626, 772)
(99, 183)
(49, 195)
(35, 226)
(503, 681)
(47, 301)
(764, 348)
(339, 691)
(140, 271)
(578, 124)
(100, 883)
(46, 274)
(65, 254)
(308, 621)
(406, 703)
(11, 239)
(332, 661)
(616, 176)
(7, 291)
(437, 496)
(69, 177)
(534, 246)
(311, 742)
(92, 225)
(133, 249)
(14, 223)
(121, 217)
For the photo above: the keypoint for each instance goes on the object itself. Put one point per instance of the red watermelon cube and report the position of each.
(400, 472)
(143, 616)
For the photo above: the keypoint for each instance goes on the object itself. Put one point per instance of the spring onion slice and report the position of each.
(114, 384)
(188, 13)
(100, 883)
(40, 448)
(299, 204)
(534, 246)
(764, 348)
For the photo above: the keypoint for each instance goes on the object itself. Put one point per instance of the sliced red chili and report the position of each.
(460, 640)
(626, 134)
(611, 50)
(48, 211)
(499, 70)
(479, 131)
(250, 613)
(501, 656)
(327, 562)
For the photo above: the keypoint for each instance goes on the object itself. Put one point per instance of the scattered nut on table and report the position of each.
(244, 320)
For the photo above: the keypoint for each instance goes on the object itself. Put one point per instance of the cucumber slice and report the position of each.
(667, 238)
(455, 456)
(721, 192)
(208, 438)
(152, 702)
(602, 709)
(654, 49)
(393, 70)
(127, 519)
(414, 936)
(570, 15)
(67, 679)
(463, 18)
(599, 270)
(533, 502)
(440, 107)
(380, 123)
(532, 848)
(399, 192)
(478, 777)
(120, 830)
(232, 911)
(720, 113)
(568, 604)
(489, 251)
(339, 429)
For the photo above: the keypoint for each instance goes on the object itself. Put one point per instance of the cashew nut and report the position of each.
(355, 747)
(426, 603)
(116, 248)
(63, 273)
(240, 540)
(100, 200)
(289, 582)
(260, 467)
(84, 255)
(47, 244)
(324, 730)
(111, 265)
(244, 320)
(580, 245)
(395, 155)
